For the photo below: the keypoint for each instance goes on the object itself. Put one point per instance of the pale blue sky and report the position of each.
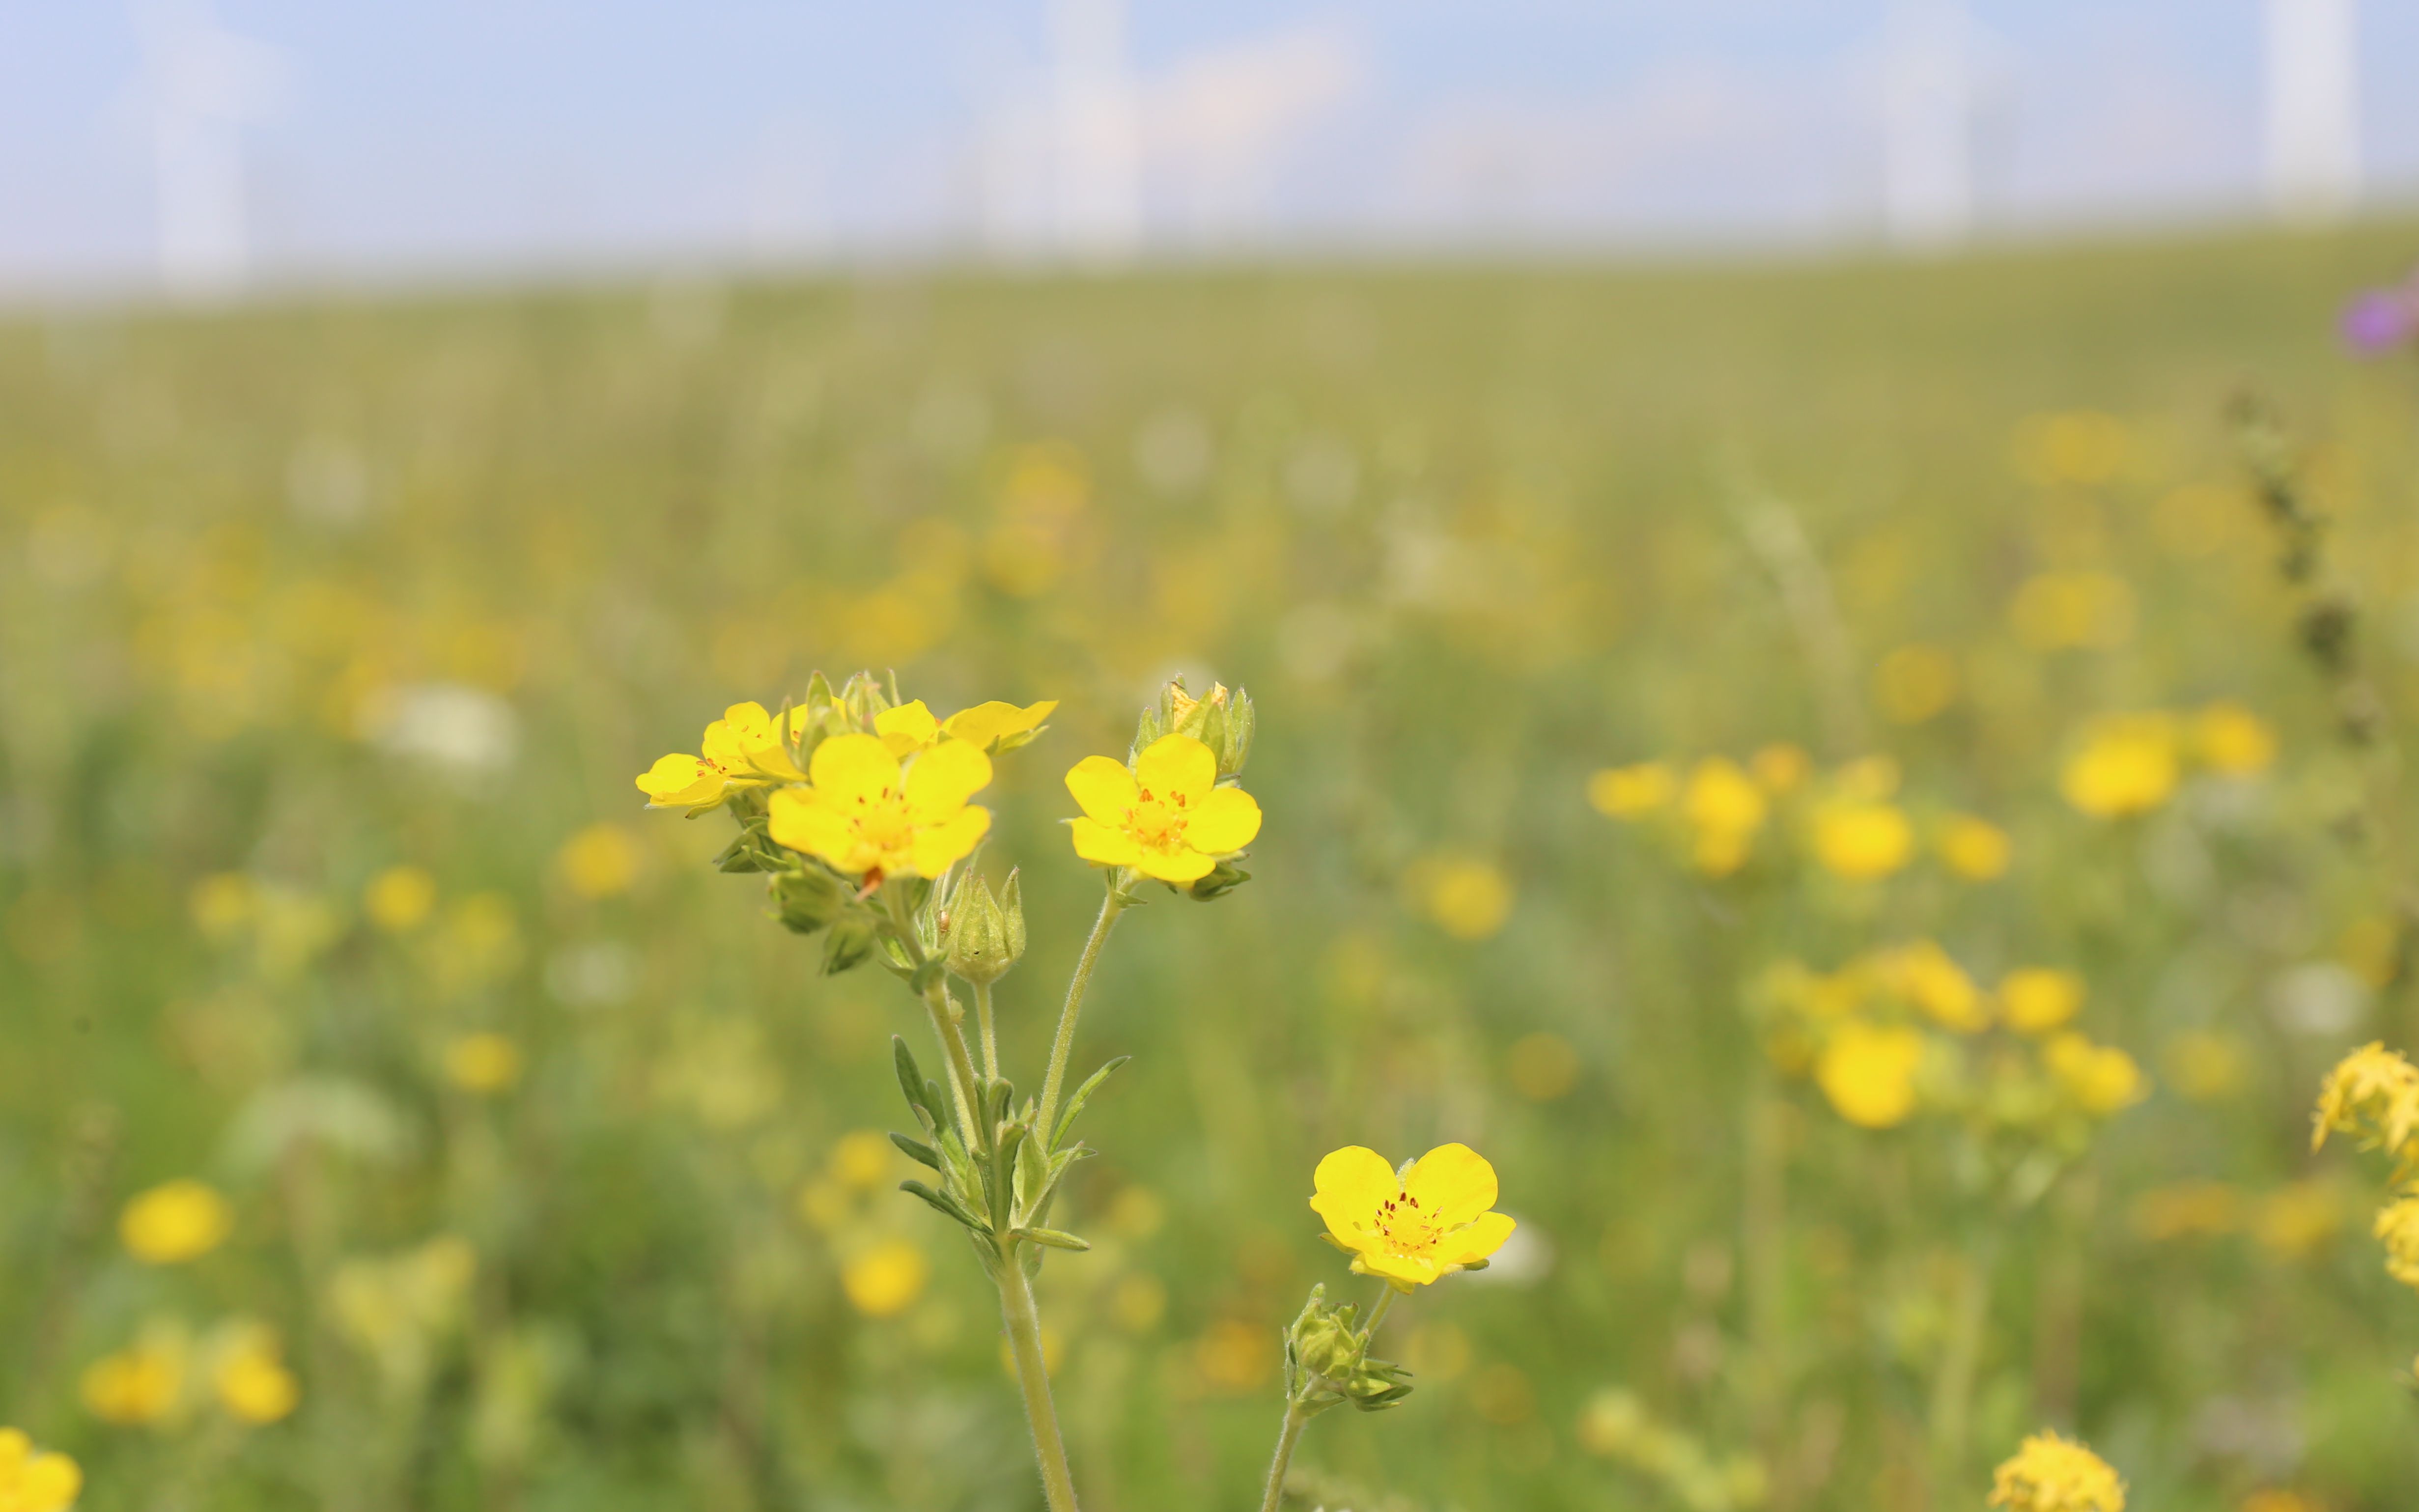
(470, 137)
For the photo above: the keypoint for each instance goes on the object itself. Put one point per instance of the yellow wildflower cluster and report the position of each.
(1898, 1021)
(160, 1379)
(1848, 822)
(2049, 1473)
(2373, 1096)
(2132, 764)
(34, 1480)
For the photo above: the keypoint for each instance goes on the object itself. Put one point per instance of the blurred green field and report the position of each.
(294, 596)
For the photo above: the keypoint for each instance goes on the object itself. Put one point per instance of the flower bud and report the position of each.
(1322, 1344)
(1222, 719)
(985, 936)
(809, 898)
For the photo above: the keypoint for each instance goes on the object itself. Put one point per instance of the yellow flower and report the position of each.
(987, 727)
(2126, 766)
(1924, 973)
(32, 1482)
(1721, 797)
(885, 1280)
(600, 861)
(1862, 842)
(870, 815)
(483, 1063)
(1631, 792)
(1165, 818)
(1868, 1071)
(222, 904)
(863, 1160)
(2397, 1229)
(2102, 1079)
(2054, 1474)
(1975, 849)
(1468, 897)
(174, 1222)
(2233, 740)
(2038, 999)
(745, 748)
(138, 1385)
(1411, 1230)
(2373, 1095)
(252, 1382)
(399, 897)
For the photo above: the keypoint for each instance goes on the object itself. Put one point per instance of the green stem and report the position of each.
(1033, 1378)
(1273, 1494)
(990, 1038)
(1065, 1042)
(962, 1066)
(1952, 1390)
(1378, 1311)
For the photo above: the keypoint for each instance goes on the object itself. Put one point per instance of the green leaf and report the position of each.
(915, 1150)
(1055, 1238)
(1082, 1095)
(911, 1083)
(945, 1204)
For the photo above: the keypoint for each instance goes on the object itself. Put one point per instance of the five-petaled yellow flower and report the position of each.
(745, 748)
(34, 1480)
(1166, 817)
(911, 727)
(871, 814)
(1411, 1230)
(2053, 1475)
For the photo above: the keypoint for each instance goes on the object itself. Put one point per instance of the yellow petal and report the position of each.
(680, 783)
(1173, 866)
(985, 723)
(50, 1483)
(1347, 1189)
(1177, 766)
(853, 766)
(1475, 1242)
(1452, 1183)
(1104, 787)
(1102, 846)
(805, 821)
(723, 746)
(1404, 1271)
(750, 724)
(1226, 821)
(942, 778)
(938, 848)
(908, 727)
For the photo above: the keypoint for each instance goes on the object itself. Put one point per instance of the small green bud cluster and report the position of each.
(1327, 1361)
(984, 936)
(1222, 719)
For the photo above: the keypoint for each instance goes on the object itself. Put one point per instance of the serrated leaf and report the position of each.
(915, 1150)
(1082, 1095)
(1055, 1238)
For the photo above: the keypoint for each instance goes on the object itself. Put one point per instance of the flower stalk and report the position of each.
(1062, 1044)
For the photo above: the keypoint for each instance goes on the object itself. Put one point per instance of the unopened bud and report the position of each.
(809, 898)
(985, 938)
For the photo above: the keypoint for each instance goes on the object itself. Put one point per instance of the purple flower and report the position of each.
(2381, 320)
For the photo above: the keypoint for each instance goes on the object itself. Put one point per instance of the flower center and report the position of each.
(1404, 1228)
(882, 821)
(1157, 824)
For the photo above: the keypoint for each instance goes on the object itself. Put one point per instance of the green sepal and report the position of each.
(1082, 1095)
(748, 853)
(1055, 1238)
(1222, 879)
(915, 1150)
(807, 898)
(850, 942)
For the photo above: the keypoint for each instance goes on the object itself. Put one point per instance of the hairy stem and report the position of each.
(961, 1067)
(989, 1037)
(1065, 1042)
(1033, 1378)
(1273, 1494)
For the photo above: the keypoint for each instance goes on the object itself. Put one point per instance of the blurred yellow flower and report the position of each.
(2373, 1095)
(2231, 739)
(1465, 896)
(1779, 768)
(2071, 446)
(1975, 849)
(1915, 683)
(2102, 1079)
(2299, 1219)
(1925, 975)
(867, 814)
(1412, 1230)
(1632, 792)
(399, 897)
(1724, 809)
(986, 727)
(483, 1063)
(1868, 1072)
(2037, 999)
(174, 1222)
(2187, 1210)
(222, 904)
(1862, 842)
(863, 1158)
(1166, 817)
(2126, 765)
(2062, 610)
(1139, 1301)
(2054, 1474)
(600, 861)
(1542, 1066)
(31, 1481)
(252, 1382)
(885, 1280)
(2371, 946)
(745, 748)
(138, 1385)
(1232, 1357)
(2397, 1229)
